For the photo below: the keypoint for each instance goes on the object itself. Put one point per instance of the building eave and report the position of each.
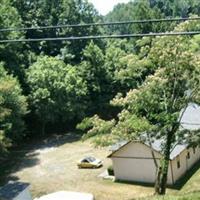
(133, 141)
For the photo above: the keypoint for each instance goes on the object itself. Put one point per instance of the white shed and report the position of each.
(133, 161)
(15, 191)
(64, 195)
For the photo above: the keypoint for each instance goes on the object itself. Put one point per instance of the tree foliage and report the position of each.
(51, 13)
(155, 107)
(13, 107)
(136, 10)
(93, 71)
(11, 53)
(150, 9)
(182, 8)
(57, 92)
(132, 87)
(97, 127)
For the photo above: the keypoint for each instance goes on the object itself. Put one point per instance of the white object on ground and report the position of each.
(67, 196)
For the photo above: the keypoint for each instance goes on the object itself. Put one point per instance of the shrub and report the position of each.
(13, 107)
(110, 171)
(58, 93)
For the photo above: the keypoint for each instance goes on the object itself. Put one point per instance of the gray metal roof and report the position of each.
(177, 150)
(157, 145)
(190, 120)
(12, 190)
(118, 145)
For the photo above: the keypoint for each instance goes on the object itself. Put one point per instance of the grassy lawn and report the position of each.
(50, 166)
(191, 196)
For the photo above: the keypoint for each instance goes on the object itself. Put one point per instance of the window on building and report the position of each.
(194, 150)
(188, 155)
(178, 162)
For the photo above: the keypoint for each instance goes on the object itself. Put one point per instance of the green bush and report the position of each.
(58, 93)
(111, 171)
(13, 107)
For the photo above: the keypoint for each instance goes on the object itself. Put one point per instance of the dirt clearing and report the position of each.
(51, 167)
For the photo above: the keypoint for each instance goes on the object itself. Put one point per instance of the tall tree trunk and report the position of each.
(162, 172)
(157, 182)
(163, 182)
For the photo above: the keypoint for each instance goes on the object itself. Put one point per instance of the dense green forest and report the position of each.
(114, 89)
(59, 83)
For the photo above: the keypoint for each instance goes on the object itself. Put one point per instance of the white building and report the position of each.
(64, 195)
(133, 161)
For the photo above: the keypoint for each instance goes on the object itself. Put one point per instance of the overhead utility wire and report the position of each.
(102, 37)
(101, 24)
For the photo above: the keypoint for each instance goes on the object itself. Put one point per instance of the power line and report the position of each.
(102, 37)
(101, 24)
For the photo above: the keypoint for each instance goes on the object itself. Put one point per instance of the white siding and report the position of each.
(25, 195)
(185, 163)
(135, 163)
(178, 172)
(136, 149)
(194, 157)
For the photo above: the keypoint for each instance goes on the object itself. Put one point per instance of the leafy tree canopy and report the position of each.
(150, 9)
(57, 92)
(182, 8)
(135, 10)
(11, 53)
(155, 107)
(49, 13)
(13, 107)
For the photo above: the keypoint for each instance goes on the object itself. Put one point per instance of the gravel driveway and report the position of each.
(54, 169)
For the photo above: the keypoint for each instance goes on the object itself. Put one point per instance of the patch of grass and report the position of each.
(190, 196)
(187, 188)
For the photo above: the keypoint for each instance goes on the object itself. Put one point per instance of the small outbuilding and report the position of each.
(15, 191)
(64, 195)
(134, 161)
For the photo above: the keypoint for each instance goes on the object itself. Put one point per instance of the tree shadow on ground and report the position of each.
(151, 185)
(57, 140)
(15, 161)
(26, 155)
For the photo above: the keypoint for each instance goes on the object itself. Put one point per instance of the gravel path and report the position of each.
(54, 169)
